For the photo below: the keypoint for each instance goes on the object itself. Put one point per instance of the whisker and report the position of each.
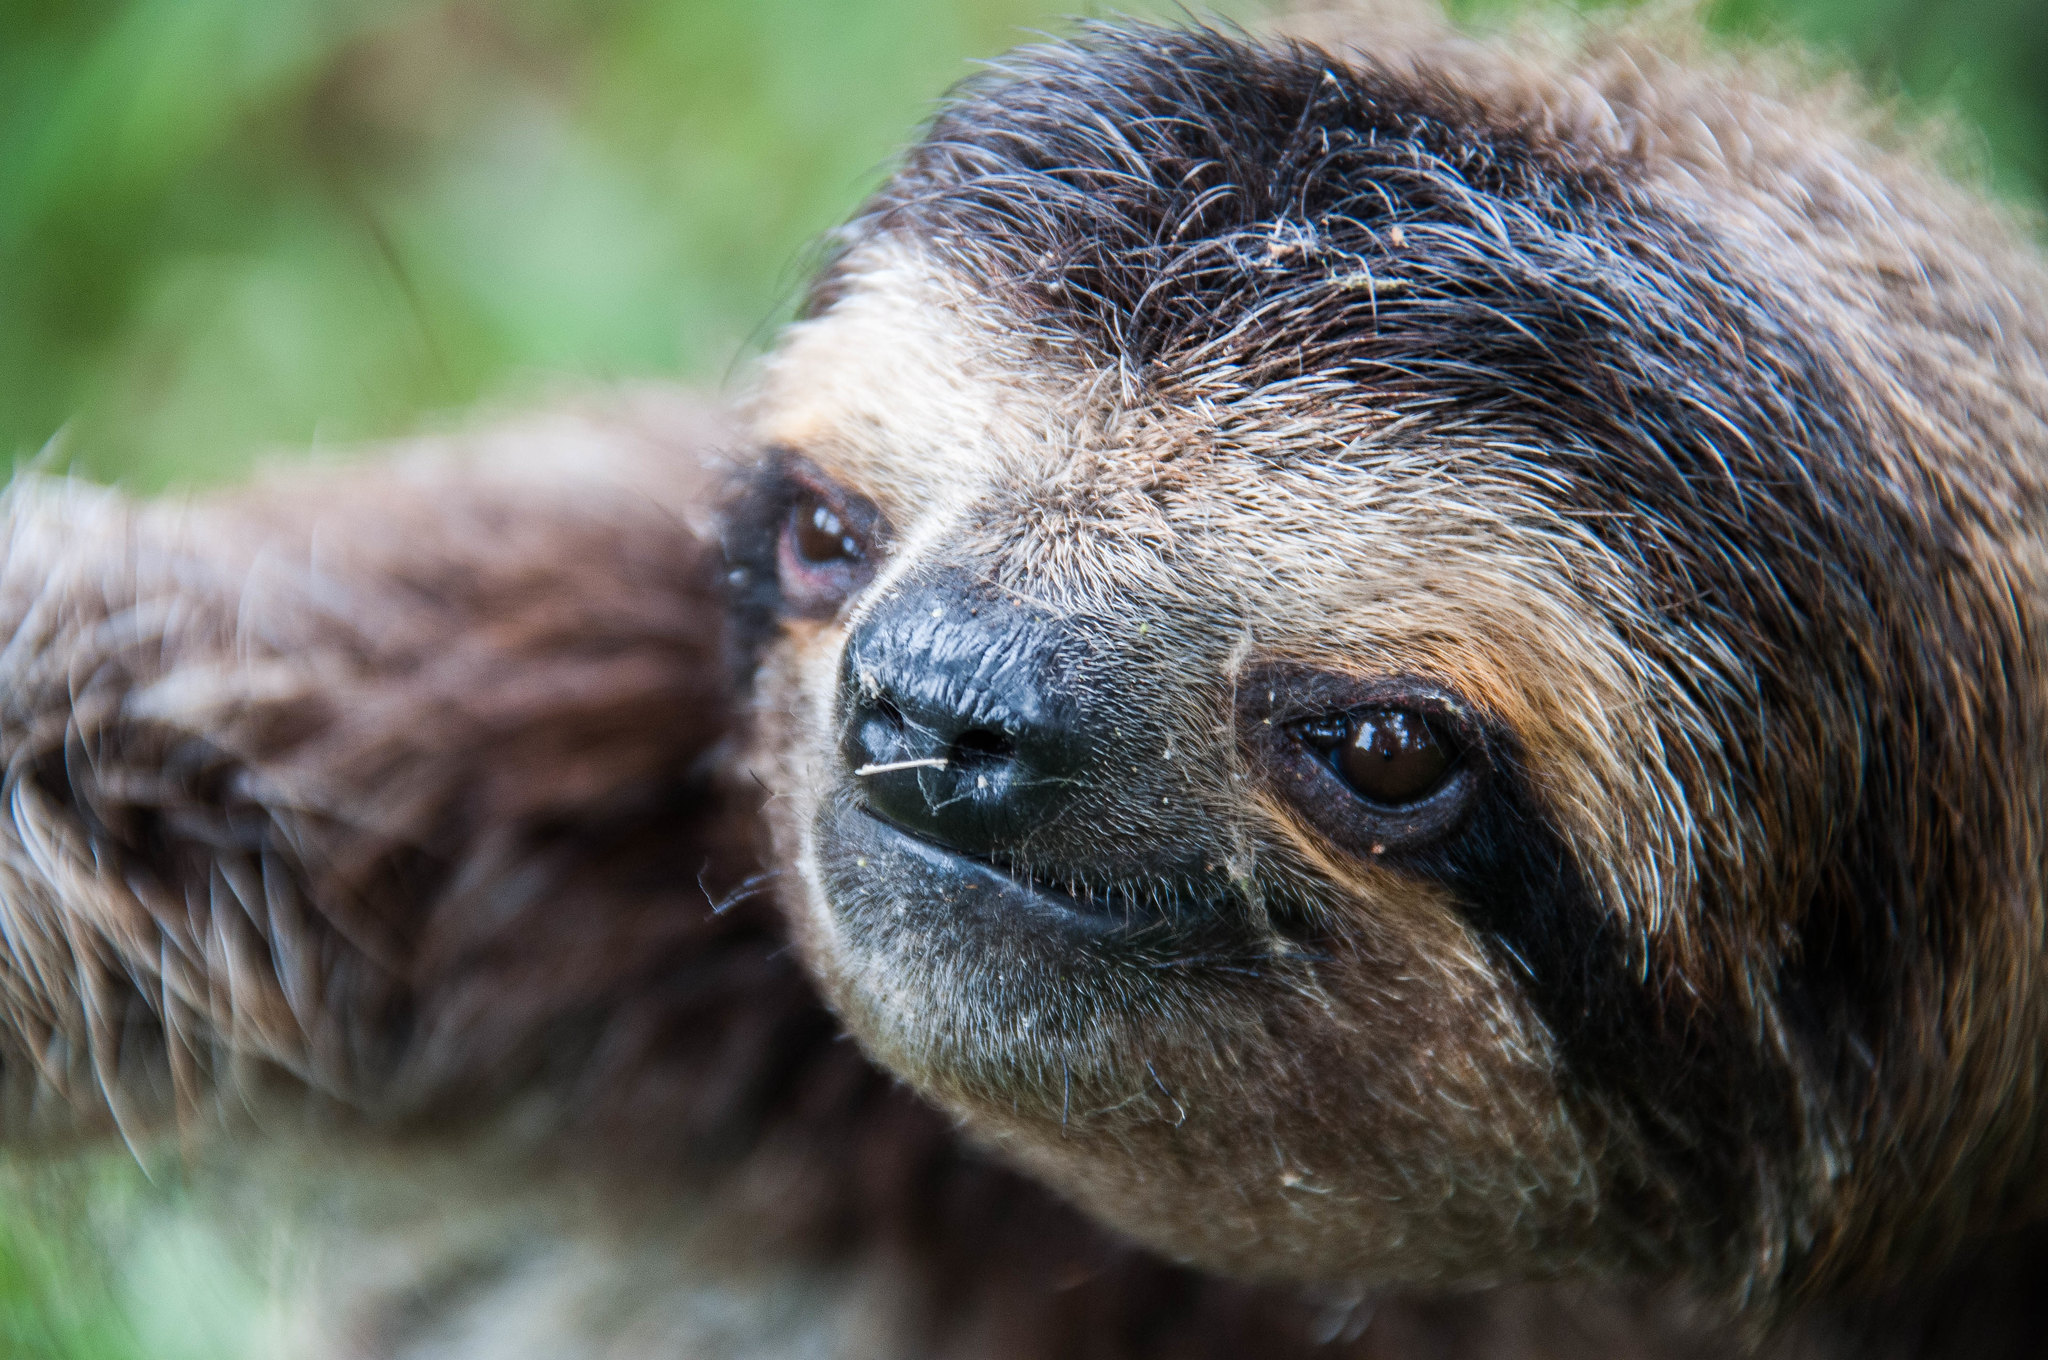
(749, 888)
(927, 763)
(1179, 1108)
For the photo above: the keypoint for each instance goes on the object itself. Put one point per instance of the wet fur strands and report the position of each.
(1207, 403)
(1409, 671)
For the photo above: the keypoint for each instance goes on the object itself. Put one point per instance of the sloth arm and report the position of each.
(329, 786)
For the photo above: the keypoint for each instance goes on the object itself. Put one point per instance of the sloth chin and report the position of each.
(1173, 1070)
(1066, 1027)
(990, 985)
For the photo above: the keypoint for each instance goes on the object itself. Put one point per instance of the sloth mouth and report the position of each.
(975, 871)
(943, 926)
(977, 885)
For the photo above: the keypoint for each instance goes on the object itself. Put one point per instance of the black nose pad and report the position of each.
(958, 721)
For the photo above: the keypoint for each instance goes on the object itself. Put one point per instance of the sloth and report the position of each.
(1393, 683)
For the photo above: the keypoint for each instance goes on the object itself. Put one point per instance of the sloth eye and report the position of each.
(819, 536)
(1389, 756)
(826, 548)
(1379, 765)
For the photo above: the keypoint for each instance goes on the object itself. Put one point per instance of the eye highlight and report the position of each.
(1389, 756)
(1378, 765)
(825, 547)
(818, 536)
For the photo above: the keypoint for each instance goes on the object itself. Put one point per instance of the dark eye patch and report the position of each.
(797, 545)
(1486, 837)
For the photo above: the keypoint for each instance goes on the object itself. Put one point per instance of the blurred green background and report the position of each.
(232, 226)
(227, 225)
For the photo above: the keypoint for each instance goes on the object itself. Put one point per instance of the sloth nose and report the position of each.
(958, 718)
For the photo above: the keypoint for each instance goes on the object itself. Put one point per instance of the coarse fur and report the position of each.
(1608, 404)
(1650, 426)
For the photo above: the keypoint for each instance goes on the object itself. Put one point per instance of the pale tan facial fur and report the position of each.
(1335, 1118)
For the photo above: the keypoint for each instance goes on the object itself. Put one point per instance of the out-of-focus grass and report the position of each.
(231, 225)
(1985, 60)
(56, 1279)
(97, 1264)
(226, 224)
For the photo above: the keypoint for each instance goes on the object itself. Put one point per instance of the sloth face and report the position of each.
(1140, 781)
(1313, 642)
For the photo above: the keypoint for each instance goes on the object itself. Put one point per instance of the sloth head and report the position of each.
(1419, 667)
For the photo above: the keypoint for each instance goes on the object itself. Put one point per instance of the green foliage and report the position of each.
(1986, 60)
(57, 1286)
(228, 225)
(100, 1262)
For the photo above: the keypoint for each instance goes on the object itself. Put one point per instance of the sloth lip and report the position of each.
(1037, 888)
(1120, 913)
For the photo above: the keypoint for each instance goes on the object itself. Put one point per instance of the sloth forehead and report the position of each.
(1177, 243)
(1197, 271)
(916, 392)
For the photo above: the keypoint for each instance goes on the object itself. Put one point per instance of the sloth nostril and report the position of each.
(979, 745)
(960, 724)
